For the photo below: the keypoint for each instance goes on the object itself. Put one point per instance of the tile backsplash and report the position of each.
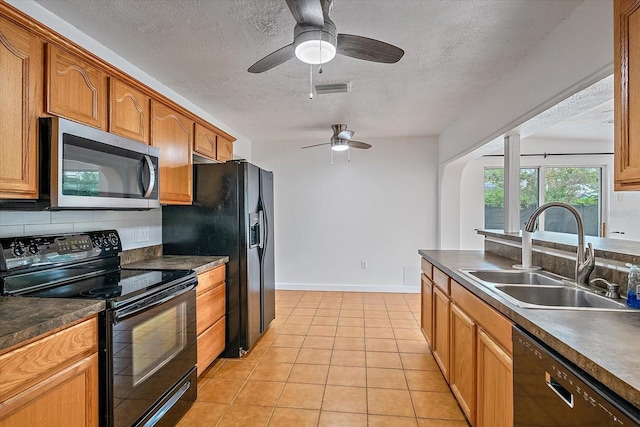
(26, 223)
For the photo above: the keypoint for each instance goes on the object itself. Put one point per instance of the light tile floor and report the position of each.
(331, 359)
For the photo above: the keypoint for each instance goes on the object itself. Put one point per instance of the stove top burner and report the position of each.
(104, 292)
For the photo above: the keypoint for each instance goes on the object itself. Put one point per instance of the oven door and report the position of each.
(153, 344)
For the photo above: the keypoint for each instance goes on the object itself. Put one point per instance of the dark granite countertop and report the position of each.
(23, 318)
(603, 344)
(199, 264)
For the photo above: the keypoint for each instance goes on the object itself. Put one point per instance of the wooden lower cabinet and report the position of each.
(495, 384)
(210, 316)
(426, 319)
(440, 343)
(462, 379)
(471, 343)
(53, 380)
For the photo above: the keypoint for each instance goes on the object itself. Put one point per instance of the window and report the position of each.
(580, 187)
(494, 196)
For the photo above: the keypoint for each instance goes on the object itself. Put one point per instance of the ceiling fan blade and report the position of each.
(359, 144)
(274, 59)
(345, 134)
(316, 145)
(368, 49)
(307, 12)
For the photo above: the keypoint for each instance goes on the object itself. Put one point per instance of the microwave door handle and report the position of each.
(152, 176)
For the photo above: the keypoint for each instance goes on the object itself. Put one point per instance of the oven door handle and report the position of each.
(147, 303)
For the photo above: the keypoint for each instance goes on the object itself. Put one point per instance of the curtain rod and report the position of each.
(545, 155)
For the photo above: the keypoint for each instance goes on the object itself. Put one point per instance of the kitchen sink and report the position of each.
(542, 290)
(516, 277)
(558, 297)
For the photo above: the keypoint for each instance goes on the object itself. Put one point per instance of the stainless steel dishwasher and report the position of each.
(548, 390)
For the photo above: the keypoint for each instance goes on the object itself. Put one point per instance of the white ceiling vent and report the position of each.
(333, 88)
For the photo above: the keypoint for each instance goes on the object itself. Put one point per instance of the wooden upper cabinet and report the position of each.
(224, 149)
(128, 111)
(204, 142)
(626, 78)
(21, 91)
(75, 90)
(172, 133)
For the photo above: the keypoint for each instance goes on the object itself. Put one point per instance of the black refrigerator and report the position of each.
(231, 215)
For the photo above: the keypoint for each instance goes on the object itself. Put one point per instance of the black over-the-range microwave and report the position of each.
(81, 167)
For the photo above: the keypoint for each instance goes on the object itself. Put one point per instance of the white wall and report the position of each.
(27, 223)
(379, 208)
(578, 53)
(621, 209)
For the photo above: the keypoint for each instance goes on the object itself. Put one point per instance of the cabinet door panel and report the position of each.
(495, 384)
(426, 320)
(463, 361)
(21, 86)
(68, 398)
(224, 149)
(210, 345)
(204, 143)
(173, 134)
(627, 94)
(76, 91)
(210, 307)
(129, 112)
(441, 313)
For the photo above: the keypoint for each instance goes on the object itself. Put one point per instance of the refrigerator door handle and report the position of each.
(261, 226)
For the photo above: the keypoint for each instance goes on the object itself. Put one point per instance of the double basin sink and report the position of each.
(541, 289)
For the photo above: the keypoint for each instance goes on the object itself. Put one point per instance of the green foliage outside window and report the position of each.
(494, 187)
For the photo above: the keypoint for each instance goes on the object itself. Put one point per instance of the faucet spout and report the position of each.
(585, 259)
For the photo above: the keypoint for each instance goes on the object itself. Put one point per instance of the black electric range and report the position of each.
(147, 334)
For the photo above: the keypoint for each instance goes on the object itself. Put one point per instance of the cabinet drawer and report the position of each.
(427, 268)
(497, 325)
(210, 307)
(210, 345)
(211, 278)
(441, 280)
(26, 366)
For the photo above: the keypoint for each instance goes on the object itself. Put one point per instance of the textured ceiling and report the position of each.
(454, 51)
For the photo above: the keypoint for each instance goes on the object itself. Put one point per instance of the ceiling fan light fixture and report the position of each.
(340, 145)
(315, 47)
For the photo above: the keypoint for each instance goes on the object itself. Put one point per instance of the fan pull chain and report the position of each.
(348, 155)
(310, 81)
(331, 151)
(320, 66)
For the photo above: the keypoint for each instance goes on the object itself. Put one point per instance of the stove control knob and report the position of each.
(113, 239)
(18, 249)
(33, 248)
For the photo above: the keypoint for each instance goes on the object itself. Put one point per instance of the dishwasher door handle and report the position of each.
(557, 388)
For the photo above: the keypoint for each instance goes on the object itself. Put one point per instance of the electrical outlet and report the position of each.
(363, 265)
(141, 234)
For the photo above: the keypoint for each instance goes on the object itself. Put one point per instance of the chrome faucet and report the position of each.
(585, 260)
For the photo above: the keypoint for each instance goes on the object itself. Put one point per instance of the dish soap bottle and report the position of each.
(633, 287)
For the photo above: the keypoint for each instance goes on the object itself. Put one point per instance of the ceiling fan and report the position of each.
(316, 40)
(341, 140)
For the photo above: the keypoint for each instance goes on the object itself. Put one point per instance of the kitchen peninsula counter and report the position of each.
(604, 344)
(24, 318)
(199, 264)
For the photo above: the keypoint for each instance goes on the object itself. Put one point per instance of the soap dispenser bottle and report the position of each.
(633, 287)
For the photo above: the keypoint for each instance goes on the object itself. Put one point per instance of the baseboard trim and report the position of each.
(347, 288)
